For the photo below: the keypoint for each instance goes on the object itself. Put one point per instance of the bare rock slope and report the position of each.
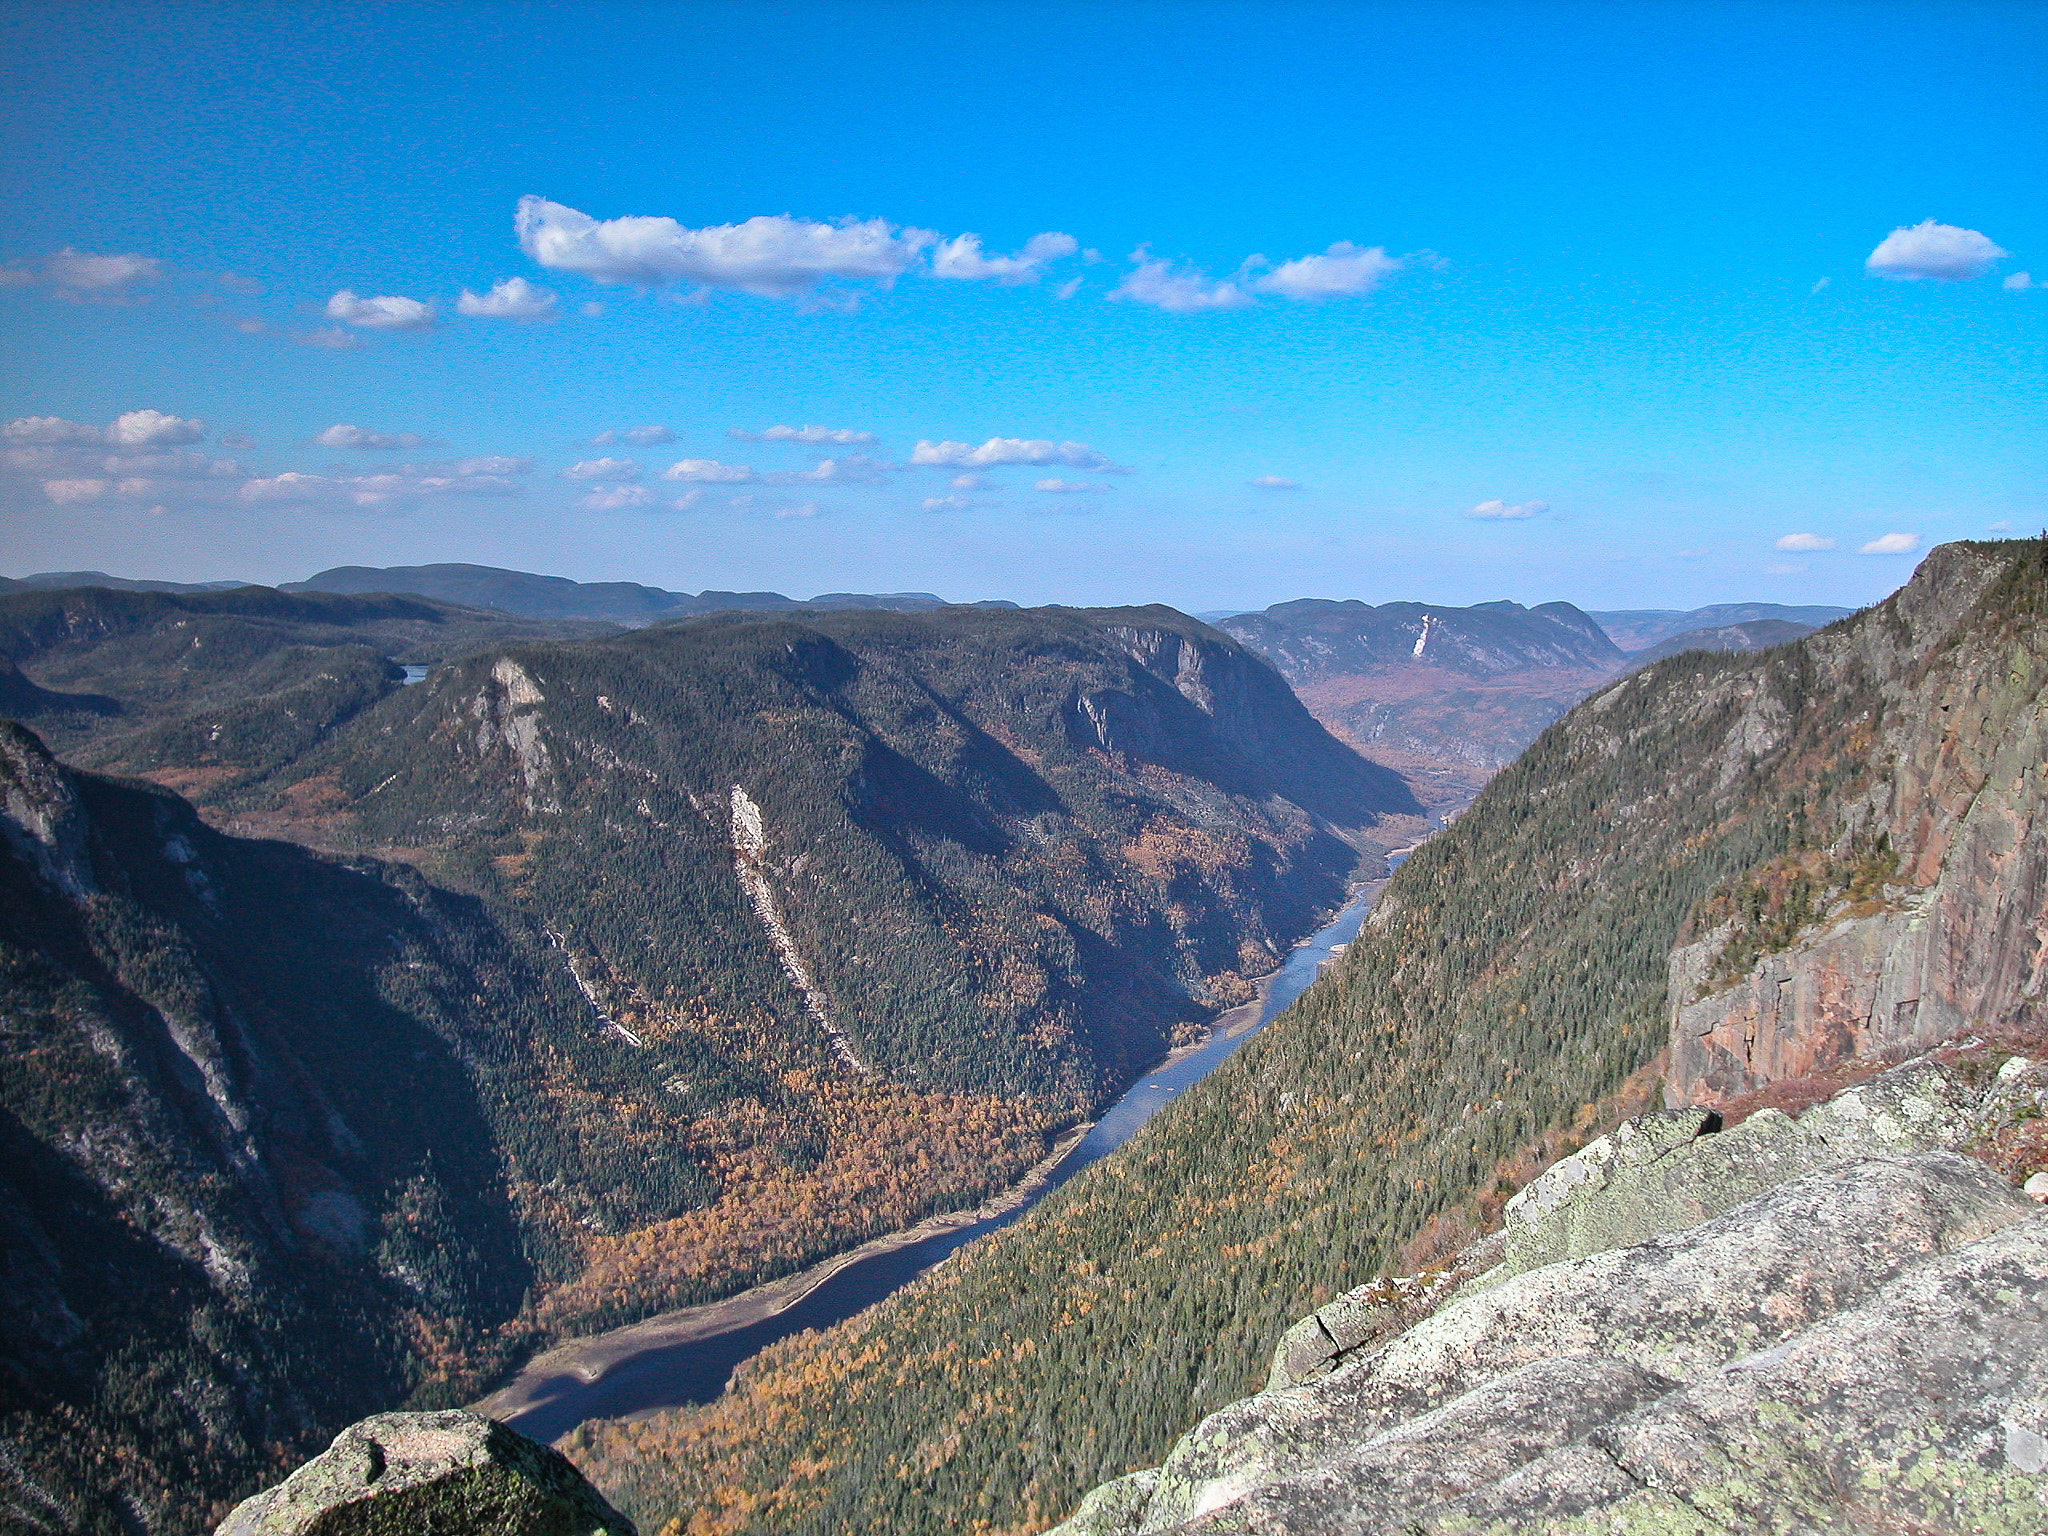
(1854, 1338)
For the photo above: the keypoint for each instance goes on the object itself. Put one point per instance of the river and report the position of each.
(696, 1369)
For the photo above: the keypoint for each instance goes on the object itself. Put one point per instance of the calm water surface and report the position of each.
(696, 1372)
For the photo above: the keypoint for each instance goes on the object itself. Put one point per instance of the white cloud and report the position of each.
(776, 256)
(968, 482)
(1499, 510)
(1067, 289)
(1276, 483)
(333, 339)
(1058, 487)
(946, 504)
(1822, 284)
(603, 469)
(2020, 282)
(614, 498)
(51, 430)
(812, 437)
(854, 469)
(639, 437)
(82, 272)
(1013, 450)
(513, 299)
(387, 313)
(709, 472)
(961, 257)
(343, 436)
(1804, 541)
(1344, 270)
(1154, 281)
(1892, 544)
(688, 501)
(1942, 251)
(289, 486)
(131, 429)
(491, 464)
(66, 492)
(797, 509)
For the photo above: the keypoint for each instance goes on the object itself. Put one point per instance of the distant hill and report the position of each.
(221, 684)
(1637, 629)
(1756, 635)
(45, 581)
(619, 602)
(1446, 695)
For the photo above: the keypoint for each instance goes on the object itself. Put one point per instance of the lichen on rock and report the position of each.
(430, 1474)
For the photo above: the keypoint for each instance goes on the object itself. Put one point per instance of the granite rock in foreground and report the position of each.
(430, 1474)
(1861, 1345)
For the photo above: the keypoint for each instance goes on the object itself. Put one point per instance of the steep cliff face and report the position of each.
(1917, 904)
(252, 1182)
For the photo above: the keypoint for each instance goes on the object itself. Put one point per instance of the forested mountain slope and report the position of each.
(1509, 997)
(1447, 695)
(202, 688)
(262, 1114)
(694, 954)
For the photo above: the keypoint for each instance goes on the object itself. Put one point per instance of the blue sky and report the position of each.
(1601, 302)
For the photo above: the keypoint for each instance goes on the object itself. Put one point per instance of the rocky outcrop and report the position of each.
(1947, 936)
(1830, 1323)
(430, 1474)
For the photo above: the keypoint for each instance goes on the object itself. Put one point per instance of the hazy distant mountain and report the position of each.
(1636, 629)
(1756, 635)
(620, 602)
(1447, 695)
(45, 581)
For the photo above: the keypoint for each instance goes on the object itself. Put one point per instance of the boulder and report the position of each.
(430, 1474)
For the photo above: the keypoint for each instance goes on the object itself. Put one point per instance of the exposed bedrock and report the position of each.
(1829, 1324)
(430, 1474)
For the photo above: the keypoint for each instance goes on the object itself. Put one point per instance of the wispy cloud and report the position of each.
(1180, 291)
(854, 469)
(638, 437)
(81, 274)
(1344, 270)
(1274, 483)
(1503, 511)
(1058, 487)
(385, 313)
(2020, 282)
(810, 437)
(513, 299)
(1013, 450)
(603, 469)
(962, 258)
(614, 498)
(1804, 541)
(1945, 252)
(709, 472)
(343, 436)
